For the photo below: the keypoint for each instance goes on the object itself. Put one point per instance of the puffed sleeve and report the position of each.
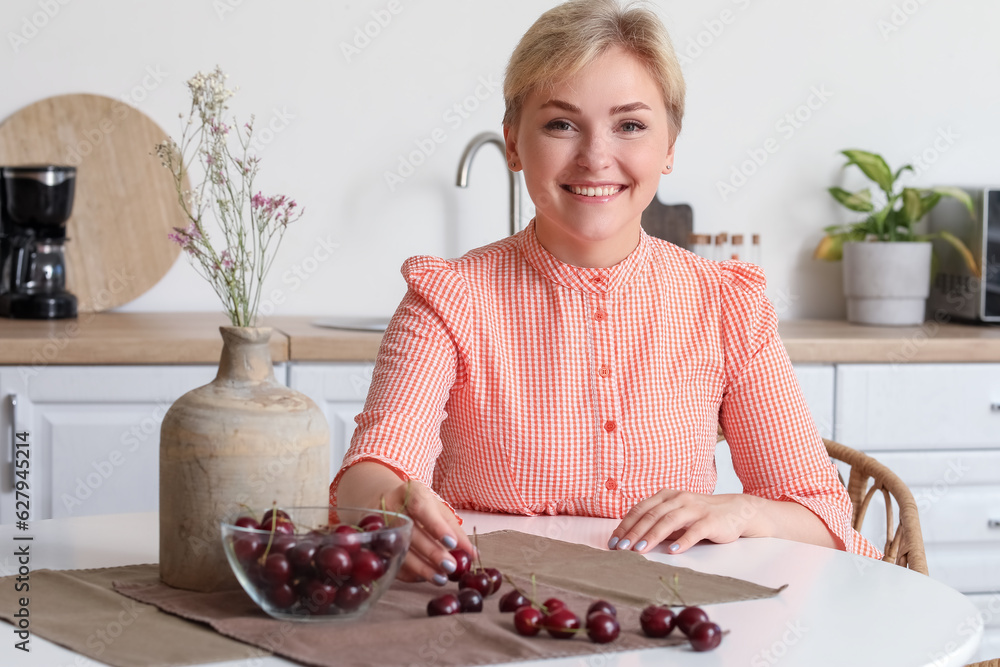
(777, 451)
(417, 367)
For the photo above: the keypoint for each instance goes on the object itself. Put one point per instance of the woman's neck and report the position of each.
(588, 253)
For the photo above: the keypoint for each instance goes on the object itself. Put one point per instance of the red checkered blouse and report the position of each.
(508, 381)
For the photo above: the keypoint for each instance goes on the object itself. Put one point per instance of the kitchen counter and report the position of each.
(193, 338)
(121, 338)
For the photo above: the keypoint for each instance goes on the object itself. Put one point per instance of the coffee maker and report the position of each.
(35, 204)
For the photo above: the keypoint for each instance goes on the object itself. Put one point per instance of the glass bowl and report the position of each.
(316, 563)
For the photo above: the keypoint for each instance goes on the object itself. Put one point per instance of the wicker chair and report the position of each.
(989, 663)
(904, 543)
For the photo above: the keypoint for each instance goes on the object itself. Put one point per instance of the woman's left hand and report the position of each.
(684, 518)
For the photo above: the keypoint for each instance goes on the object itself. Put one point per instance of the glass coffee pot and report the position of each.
(35, 203)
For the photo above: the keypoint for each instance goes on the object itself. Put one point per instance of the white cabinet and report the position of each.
(339, 389)
(937, 426)
(94, 434)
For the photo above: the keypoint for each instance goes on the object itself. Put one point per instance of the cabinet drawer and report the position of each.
(933, 406)
(958, 499)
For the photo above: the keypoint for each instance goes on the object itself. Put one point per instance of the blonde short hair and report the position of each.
(568, 37)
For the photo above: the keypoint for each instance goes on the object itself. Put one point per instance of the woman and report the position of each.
(581, 366)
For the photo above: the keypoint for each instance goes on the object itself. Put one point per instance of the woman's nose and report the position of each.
(595, 152)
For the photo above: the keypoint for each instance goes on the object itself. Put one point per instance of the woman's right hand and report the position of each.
(435, 528)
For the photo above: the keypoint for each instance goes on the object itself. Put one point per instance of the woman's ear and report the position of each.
(668, 164)
(510, 139)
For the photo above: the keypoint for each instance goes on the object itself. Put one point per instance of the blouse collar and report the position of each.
(593, 280)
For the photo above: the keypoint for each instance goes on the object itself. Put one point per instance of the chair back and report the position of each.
(904, 542)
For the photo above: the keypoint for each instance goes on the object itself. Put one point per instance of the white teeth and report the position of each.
(601, 191)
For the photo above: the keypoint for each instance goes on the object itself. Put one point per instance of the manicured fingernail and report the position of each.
(675, 546)
(612, 542)
(624, 544)
(440, 579)
(639, 546)
(448, 566)
(449, 541)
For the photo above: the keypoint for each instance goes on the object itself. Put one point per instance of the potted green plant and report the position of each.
(887, 262)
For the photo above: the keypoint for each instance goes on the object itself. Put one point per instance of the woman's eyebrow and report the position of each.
(627, 108)
(565, 106)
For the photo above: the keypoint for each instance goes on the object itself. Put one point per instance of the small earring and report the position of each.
(512, 164)
(669, 167)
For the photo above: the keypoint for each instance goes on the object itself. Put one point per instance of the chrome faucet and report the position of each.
(515, 188)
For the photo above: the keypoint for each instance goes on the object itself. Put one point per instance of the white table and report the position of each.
(838, 609)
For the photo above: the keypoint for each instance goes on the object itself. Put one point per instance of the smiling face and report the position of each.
(592, 149)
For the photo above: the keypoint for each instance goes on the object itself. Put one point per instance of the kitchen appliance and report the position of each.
(955, 291)
(35, 203)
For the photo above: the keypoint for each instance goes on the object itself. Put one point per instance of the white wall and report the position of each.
(348, 121)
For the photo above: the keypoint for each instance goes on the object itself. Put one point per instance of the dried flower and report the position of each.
(252, 225)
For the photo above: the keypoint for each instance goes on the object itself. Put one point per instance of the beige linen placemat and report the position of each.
(79, 609)
(74, 606)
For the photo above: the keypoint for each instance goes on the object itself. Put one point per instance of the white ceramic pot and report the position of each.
(887, 283)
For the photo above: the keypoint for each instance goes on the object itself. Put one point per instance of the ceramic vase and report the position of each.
(243, 440)
(887, 283)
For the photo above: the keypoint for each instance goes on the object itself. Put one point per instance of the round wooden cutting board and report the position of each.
(125, 203)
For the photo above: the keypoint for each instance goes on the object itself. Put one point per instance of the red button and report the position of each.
(610, 426)
(597, 279)
(600, 315)
(611, 484)
(604, 371)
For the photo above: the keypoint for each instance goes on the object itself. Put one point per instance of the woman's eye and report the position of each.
(632, 126)
(558, 126)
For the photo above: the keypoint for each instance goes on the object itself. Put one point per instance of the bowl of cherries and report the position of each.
(316, 563)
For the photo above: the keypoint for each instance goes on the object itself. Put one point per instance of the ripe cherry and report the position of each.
(281, 543)
(248, 548)
(351, 595)
(277, 570)
(371, 523)
(705, 636)
(282, 514)
(470, 600)
(562, 623)
(278, 525)
(348, 537)
(656, 621)
(552, 605)
(246, 521)
(496, 579)
(513, 601)
(477, 580)
(366, 566)
(333, 562)
(528, 621)
(388, 544)
(444, 605)
(318, 596)
(282, 596)
(688, 617)
(301, 557)
(463, 562)
(602, 605)
(602, 627)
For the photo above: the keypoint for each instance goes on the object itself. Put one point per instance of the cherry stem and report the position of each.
(673, 588)
(385, 516)
(475, 543)
(274, 528)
